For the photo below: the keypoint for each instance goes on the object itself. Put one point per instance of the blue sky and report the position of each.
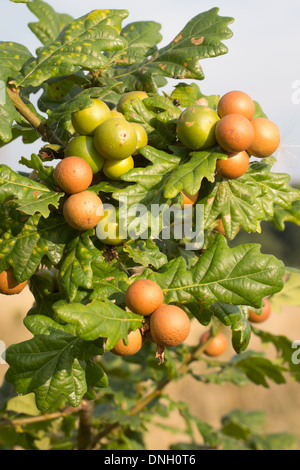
(263, 58)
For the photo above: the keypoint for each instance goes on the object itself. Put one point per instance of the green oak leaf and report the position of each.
(221, 274)
(44, 295)
(84, 267)
(43, 173)
(51, 364)
(81, 43)
(241, 335)
(234, 202)
(225, 374)
(29, 195)
(241, 424)
(284, 349)
(13, 55)
(8, 113)
(95, 375)
(145, 253)
(99, 319)
(200, 39)
(274, 187)
(190, 94)
(188, 176)
(276, 441)
(59, 91)
(25, 131)
(281, 215)
(160, 135)
(142, 37)
(81, 100)
(148, 187)
(258, 368)
(50, 23)
(258, 111)
(289, 295)
(232, 316)
(148, 180)
(24, 405)
(24, 241)
(112, 288)
(75, 268)
(246, 201)
(158, 115)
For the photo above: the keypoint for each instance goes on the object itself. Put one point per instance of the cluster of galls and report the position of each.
(168, 325)
(106, 143)
(233, 128)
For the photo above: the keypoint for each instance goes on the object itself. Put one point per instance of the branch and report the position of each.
(33, 120)
(40, 418)
(85, 425)
(157, 392)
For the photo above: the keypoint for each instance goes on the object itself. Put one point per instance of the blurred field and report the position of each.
(209, 402)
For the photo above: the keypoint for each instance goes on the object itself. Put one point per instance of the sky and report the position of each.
(263, 58)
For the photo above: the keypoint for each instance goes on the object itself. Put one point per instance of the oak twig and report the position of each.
(18, 422)
(33, 120)
(85, 424)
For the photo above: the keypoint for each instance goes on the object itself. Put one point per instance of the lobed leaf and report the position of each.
(99, 319)
(13, 55)
(225, 374)
(274, 187)
(30, 196)
(81, 100)
(24, 241)
(50, 23)
(8, 113)
(245, 201)
(81, 43)
(277, 442)
(232, 316)
(289, 295)
(75, 268)
(51, 364)
(281, 215)
(258, 369)
(43, 173)
(237, 276)
(141, 37)
(284, 350)
(83, 267)
(145, 253)
(148, 187)
(190, 94)
(189, 175)
(200, 39)
(158, 116)
(44, 297)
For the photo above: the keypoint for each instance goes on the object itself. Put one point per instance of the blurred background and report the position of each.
(263, 60)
